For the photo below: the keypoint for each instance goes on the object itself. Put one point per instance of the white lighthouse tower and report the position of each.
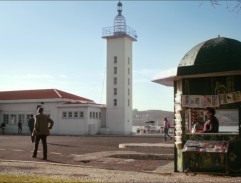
(119, 75)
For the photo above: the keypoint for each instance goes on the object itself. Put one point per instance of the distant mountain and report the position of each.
(140, 117)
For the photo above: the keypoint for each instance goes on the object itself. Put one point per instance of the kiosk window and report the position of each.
(228, 120)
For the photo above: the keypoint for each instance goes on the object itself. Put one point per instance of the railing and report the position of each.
(118, 31)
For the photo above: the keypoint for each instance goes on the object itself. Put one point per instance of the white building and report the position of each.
(119, 75)
(73, 115)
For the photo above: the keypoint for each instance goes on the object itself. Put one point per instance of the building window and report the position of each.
(99, 114)
(93, 114)
(128, 81)
(129, 71)
(128, 102)
(115, 91)
(28, 117)
(115, 59)
(128, 91)
(115, 102)
(64, 114)
(6, 118)
(128, 60)
(115, 80)
(115, 70)
(70, 115)
(21, 118)
(81, 114)
(90, 114)
(76, 114)
(13, 118)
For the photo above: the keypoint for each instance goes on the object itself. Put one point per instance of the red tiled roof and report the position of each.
(40, 94)
(76, 102)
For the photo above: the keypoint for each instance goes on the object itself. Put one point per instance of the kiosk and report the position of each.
(209, 75)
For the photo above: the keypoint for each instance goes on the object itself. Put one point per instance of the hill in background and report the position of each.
(140, 117)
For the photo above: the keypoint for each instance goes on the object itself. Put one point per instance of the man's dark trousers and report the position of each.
(44, 142)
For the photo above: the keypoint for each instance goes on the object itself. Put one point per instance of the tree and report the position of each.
(231, 5)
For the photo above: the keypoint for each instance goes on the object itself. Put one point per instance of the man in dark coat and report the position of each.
(41, 128)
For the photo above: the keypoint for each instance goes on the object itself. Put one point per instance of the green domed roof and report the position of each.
(215, 55)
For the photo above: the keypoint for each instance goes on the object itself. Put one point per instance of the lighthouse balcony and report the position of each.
(119, 31)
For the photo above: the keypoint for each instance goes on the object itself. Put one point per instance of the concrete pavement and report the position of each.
(147, 154)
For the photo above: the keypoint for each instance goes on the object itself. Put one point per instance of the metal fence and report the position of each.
(119, 30)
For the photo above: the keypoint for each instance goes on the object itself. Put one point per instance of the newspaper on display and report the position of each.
(206, 146)
(203, 101)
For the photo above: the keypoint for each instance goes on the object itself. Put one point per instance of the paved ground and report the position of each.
(98, 152)
(98, 159)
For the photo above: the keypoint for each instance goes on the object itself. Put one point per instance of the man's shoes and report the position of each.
(45, 159)
(34, 156)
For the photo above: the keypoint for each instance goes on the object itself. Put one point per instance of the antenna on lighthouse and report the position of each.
(120, 21)
(119, 8)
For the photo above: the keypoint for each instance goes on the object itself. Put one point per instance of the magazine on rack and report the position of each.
(206, 146)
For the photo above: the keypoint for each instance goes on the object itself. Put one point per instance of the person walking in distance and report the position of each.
(19, 127)
(41, 129)
(166, 125)
(31, 127)
(3, 125)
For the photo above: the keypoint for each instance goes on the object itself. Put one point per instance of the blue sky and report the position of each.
(58, 44)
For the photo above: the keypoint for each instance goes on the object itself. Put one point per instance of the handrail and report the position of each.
(119, 30)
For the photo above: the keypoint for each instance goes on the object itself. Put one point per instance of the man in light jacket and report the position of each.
(41, 129)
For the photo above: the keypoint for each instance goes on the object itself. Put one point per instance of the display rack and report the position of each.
(205, 156)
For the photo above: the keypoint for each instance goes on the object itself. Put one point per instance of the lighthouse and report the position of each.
(119, 75)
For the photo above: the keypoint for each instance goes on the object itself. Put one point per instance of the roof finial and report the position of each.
(119, 7)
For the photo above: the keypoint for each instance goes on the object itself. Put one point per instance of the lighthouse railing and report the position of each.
(118, 31)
